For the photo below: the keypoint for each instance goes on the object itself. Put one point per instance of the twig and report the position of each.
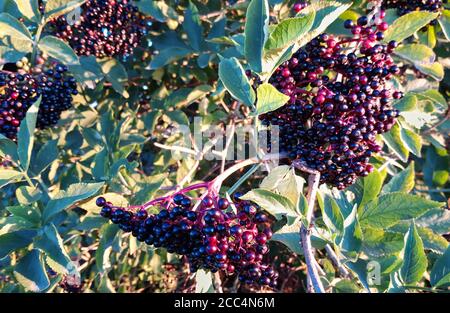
(335, 259)
(305, 231)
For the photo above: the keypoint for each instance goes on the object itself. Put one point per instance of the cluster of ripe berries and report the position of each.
(19, 90)
(211, 236)
(340, 100)
(104, 28)
(406, 6)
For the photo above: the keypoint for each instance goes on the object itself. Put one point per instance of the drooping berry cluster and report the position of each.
(211, 236)
(340, 100)
(104, 28)
(20, 89)
(406, 6)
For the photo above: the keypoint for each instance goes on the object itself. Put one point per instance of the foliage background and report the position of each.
(118, 141)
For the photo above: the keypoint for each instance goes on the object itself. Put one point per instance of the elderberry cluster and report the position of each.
(21, 89)
(211, 236)
(406, 6)
(340, 100)
(104, 28)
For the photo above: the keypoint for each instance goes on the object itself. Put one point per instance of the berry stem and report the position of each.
(305, 232)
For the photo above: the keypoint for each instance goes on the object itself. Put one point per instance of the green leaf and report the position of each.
(444, 21)
(275, 204)
(326, 12)
(289, 32)
(56, 256)
(412, 141)
(59, 50)
(159, 10)
(331, 213)
(395, 143)
(372, 187)
(291, 186)
(55, 8)
(352, 239)
(46, 155)
(274, 178)
(116, 74)
(186, 96)
(269, 99)
(401, 182)
(8, 148)
(440, 274)
(192, 26)
(407, 103)
(74, 194)
(29, 9)
(406, 25)
(10, 26)
(25, 137)
(27, 212)
(167, 56)
(435, 70)
(414, 258)
(235, 81)
(389, 209)
(256, 32)
(13, 241)
(108, 233)
(8, 176)
(30, 272)
(289, 235)
(416, 53)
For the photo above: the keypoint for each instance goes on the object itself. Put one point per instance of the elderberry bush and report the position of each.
(340, 100)
(20, 89)
(104, 28)
(211, 236)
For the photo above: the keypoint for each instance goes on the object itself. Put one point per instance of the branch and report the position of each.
(305, 232)
(335, 259)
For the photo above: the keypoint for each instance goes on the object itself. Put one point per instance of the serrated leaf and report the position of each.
(46, 156)
(401, 182)
(269, 99)
(291, 186)
(29, 213)
(408, 24)
(15, 240)
(8, 148)
(352, 238)
(412, 141)
(435, 70)
(289, 32)
(331, 213)
(440, 274)
(59, 50)
(256, 32)
(273, 179)
(371, 187)
(25, 137)
(73, 194)
(389, 209)
(30, 272)
(275, 204)
(235, 81)
(192, 26)
(414, 258)
(55, 254)
(395, 143)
